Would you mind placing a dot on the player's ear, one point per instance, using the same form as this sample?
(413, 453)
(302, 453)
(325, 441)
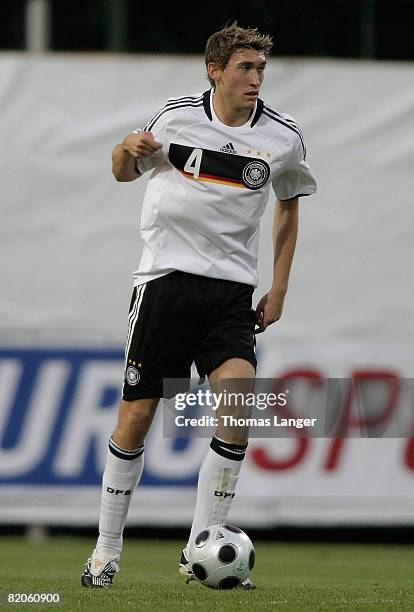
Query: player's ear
(214, 72)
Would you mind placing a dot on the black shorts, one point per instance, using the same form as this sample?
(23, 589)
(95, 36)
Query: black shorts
(182, 318)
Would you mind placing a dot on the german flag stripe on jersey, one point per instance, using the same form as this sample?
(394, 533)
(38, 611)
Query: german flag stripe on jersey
(214, 179)
(217, 167)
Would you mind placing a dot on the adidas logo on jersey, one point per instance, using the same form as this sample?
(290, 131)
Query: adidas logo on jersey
(228, 148)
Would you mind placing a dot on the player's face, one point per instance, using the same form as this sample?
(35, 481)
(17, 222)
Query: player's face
(239, 83)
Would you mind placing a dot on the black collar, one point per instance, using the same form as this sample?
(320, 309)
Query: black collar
(206, 104)
(259, 110)
(207, 108)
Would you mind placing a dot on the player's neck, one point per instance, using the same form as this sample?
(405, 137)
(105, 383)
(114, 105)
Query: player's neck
(229, 115)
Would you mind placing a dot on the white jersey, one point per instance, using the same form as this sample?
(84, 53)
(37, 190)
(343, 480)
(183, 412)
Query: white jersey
(209, 187)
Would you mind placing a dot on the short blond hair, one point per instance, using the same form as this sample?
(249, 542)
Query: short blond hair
(222, 44)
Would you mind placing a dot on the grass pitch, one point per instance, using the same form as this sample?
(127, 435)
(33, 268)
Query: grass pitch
(289, 577)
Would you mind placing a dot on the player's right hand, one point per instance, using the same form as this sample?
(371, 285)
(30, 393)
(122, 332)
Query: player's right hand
(141, 145)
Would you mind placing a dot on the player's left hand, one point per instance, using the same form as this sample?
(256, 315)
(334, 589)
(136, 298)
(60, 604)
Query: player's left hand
(269, 310)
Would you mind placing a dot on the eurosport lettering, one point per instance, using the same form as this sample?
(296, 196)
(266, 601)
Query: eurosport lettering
(58, 407)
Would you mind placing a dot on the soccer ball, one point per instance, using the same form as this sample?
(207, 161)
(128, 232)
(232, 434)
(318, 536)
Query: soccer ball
(222, 556)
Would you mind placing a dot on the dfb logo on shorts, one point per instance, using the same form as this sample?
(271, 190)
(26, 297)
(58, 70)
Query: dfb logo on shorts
(132, 376)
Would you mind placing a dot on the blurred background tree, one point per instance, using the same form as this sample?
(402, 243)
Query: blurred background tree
(367, 29)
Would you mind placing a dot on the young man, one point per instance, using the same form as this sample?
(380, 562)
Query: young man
(213, 157)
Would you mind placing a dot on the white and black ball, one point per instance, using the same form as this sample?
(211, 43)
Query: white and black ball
(222, 556)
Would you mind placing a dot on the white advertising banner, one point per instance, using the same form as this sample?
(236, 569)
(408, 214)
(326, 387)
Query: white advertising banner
(58, 407)
(69, 243)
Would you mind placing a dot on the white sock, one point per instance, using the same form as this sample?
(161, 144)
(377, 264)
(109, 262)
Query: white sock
(217, 482)
(122, 474)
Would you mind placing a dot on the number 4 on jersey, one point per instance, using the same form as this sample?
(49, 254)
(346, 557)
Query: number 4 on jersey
(193, 163)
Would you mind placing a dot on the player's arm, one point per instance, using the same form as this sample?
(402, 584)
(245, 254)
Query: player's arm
(285, 231)
(126, 154)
